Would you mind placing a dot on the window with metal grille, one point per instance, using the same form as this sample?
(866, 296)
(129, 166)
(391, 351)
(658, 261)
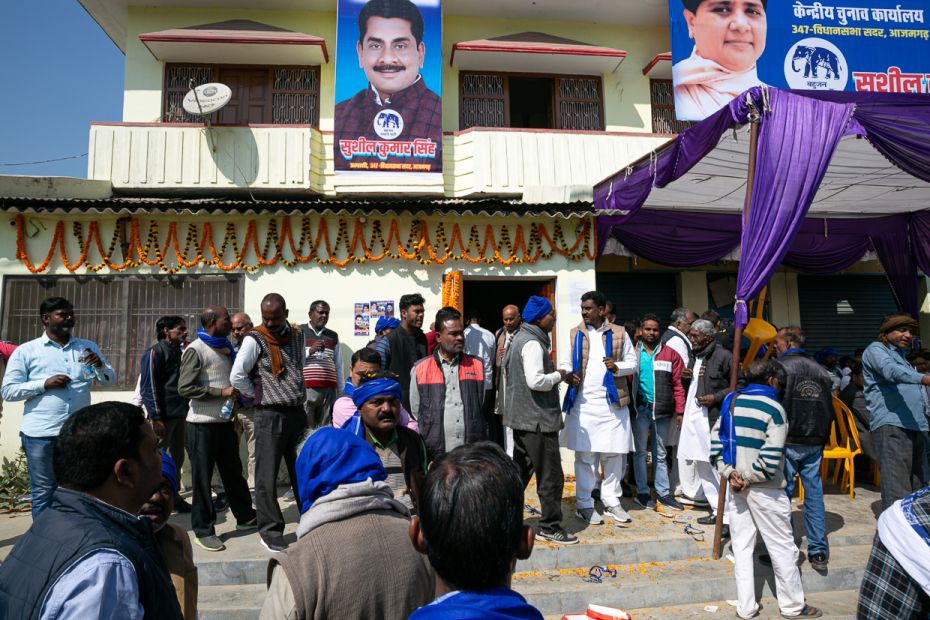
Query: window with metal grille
(662, 100)
(117, 312)
(531, 101)
(278, 95)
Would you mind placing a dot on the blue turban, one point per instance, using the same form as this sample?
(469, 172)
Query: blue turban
(376, 387)
(536, 308)
(386, 323)
(331, 457)
(169, 470)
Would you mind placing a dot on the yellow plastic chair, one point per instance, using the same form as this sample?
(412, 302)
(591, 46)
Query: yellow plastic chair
(759, 332)
(844, 446)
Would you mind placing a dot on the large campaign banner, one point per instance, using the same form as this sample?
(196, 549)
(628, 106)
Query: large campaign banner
(722, 47)
(388, 113)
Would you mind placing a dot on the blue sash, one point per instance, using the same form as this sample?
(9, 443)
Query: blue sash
(609, 384)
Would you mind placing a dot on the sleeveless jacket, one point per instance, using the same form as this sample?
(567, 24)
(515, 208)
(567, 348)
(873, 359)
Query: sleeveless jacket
(524, 409)
(160, 366)
(73, 526)
(215, 367)
(431, 382)
(617, 334)
(286, 389)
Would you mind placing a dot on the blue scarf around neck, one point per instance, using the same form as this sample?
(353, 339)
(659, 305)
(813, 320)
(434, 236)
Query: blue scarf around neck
(608, 381)
(215, 342)
(727, 430)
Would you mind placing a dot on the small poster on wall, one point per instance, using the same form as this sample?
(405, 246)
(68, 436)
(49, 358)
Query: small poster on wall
(362, 318)
(381, 309)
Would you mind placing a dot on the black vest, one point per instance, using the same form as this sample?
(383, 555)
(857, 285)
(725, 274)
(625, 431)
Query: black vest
(171, 402)
(74, 525)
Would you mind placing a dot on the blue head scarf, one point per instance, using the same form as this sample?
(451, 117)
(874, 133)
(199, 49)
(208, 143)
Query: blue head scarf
(331, 457)
(376, 387)
(386, 323)
(169, 470)
(536, 308)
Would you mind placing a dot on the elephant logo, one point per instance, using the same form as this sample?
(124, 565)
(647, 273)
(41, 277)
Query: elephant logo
(814, 58)
(388, 124)
(816, 64)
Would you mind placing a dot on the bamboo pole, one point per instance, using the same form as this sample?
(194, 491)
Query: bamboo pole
(737, 334)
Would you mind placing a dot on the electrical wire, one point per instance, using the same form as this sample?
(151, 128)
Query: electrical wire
(45, 161)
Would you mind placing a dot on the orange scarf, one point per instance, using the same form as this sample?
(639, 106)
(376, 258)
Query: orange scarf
(275, 343)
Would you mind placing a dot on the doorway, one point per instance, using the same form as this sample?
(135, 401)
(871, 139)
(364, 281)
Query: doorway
(487, 298)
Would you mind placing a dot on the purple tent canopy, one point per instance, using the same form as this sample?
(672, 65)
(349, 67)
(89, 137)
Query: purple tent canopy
(798, 135)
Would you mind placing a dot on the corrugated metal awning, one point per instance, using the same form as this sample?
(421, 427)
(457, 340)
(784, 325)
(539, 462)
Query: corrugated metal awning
(222, 206)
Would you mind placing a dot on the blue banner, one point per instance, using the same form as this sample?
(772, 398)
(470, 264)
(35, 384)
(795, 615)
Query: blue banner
(388, 114)
(722, 47)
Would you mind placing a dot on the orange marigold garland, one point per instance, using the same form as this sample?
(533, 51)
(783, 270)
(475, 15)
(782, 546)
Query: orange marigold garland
(504, 248)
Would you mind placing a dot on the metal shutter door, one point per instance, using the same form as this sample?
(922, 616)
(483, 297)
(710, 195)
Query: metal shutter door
(635, 294)
(843, 311)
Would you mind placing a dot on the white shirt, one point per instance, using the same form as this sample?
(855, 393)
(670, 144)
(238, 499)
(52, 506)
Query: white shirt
(694, 441)
(479, 343)
(536, 379)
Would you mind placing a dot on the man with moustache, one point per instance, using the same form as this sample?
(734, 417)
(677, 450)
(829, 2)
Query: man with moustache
(391, 51)
(268, 372)
(172, 539)
(242, 325)
(447, 390)
(510, 317)
(53, 374)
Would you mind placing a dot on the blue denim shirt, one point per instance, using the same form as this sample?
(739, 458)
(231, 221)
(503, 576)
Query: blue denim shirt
(32, 363)
(892, 389)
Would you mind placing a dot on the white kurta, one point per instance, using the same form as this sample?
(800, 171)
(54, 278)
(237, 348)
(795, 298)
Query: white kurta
(694, 440)
(593, 425)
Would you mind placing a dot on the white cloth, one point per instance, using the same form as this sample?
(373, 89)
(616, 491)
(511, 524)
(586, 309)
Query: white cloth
(593, 424)
(479, 343)
(766, 511)
(906, 545)
(694, 440)
(703, 86)
(537, 380)
(586, 477)
(710, 487)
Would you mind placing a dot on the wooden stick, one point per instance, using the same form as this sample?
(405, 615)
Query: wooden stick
(737, 336)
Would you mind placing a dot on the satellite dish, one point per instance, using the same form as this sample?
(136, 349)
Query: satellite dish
(206, 98)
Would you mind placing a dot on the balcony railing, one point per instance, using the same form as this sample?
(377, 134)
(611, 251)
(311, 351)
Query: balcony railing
(541, 165)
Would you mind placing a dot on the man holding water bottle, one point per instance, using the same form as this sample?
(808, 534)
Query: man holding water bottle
(211, 437)
(53, 374)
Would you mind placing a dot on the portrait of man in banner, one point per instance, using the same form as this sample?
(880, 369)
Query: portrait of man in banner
(394, 123)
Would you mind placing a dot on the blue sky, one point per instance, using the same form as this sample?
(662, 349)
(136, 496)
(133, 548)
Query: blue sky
(61, 72)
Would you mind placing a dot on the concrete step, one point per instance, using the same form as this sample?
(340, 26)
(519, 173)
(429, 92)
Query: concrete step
(678, 582)
(837, 605)
(238, 602)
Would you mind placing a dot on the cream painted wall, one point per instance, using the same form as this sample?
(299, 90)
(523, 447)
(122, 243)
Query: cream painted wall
(626, 91)
(692, 290)
(144, 74)
(388, 279)
(783, 299)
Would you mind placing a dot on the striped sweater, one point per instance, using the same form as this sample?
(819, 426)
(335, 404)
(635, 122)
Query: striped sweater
(761, 428)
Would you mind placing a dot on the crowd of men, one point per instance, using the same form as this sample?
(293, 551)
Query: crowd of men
(428, 446)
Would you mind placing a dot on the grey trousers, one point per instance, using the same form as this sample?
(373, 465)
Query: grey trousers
(901, 461)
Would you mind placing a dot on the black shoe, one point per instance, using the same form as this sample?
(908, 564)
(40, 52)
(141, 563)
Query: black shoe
(765, 559)
(670, 502)
(558, 536)
(181, 506)
(596, 495)
(221, 503)
(274, 544)
(645, 500)
(724, 532)
(708, 520)
(818, 561)
(626, 489)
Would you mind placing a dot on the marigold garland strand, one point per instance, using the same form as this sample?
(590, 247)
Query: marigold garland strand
(251, 255)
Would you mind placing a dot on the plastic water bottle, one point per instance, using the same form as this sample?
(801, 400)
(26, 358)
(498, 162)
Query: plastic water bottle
(228, 408)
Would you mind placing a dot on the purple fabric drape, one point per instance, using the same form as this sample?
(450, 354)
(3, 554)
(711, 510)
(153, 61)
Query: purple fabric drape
(790, 164)
(920, 239)
(821, 245)
(798, 136)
